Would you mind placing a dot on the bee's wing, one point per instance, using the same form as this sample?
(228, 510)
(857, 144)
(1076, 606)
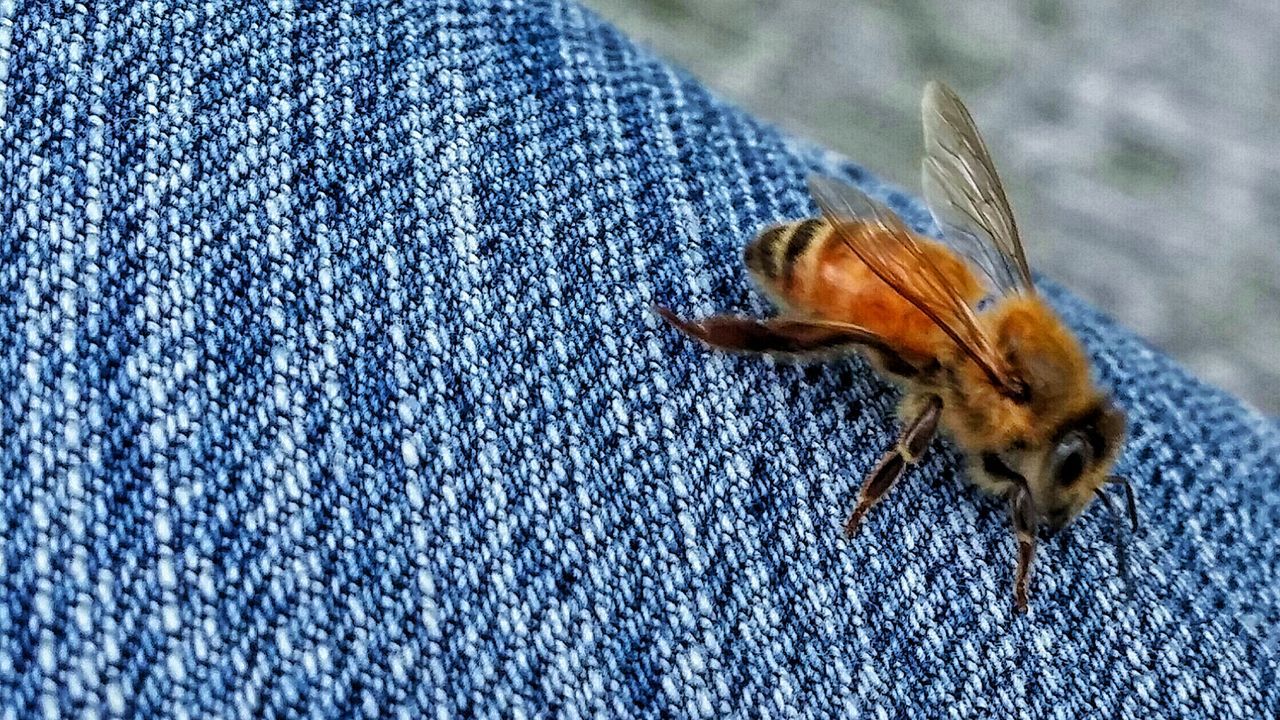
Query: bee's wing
(879, 238)
(965, 195)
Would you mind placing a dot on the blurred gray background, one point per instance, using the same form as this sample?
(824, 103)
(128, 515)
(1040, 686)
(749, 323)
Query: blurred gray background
(1140, 142)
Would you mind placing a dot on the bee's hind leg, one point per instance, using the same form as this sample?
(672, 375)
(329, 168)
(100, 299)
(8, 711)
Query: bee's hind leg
(911, 444)
(779, 336)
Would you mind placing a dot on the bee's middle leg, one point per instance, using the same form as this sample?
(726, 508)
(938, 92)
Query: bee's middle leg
(911, 445)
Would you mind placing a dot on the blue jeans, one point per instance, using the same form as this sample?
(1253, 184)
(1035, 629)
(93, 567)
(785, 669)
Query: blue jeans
(330, 386)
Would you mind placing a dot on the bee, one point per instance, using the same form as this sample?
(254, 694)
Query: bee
(979, 355)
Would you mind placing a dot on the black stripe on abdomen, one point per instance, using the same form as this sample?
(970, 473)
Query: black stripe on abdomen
(762, 254)
(800, 240)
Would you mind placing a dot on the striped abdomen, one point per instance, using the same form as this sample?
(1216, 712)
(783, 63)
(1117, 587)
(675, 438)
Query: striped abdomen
(772, 256)
(808, 270)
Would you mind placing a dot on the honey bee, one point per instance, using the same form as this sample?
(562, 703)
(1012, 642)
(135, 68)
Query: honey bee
(958, 325)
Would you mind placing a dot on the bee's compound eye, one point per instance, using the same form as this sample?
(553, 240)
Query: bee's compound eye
(1070, 458)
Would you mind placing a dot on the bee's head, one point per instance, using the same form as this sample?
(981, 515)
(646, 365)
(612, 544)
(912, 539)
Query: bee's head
(1067, 472)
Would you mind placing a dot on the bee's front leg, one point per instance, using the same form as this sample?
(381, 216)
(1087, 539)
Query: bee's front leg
(1023, 509)
(910, 446)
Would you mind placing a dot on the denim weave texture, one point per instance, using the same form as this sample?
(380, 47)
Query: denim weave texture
(330, 386)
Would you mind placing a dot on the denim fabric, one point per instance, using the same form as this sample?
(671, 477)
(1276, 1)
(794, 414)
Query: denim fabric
(330, 386)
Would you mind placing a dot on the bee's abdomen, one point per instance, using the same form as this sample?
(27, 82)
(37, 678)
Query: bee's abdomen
(772, 257)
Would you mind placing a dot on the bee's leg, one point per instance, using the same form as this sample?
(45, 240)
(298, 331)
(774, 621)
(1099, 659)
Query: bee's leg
(911, 444)
(786, 336)
(1023, 509)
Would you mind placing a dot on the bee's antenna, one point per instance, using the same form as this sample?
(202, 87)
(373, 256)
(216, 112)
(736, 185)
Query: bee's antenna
(1122, 554)
(1129, 498)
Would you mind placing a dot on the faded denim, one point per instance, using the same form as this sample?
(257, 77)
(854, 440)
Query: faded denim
(330, 387)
